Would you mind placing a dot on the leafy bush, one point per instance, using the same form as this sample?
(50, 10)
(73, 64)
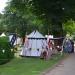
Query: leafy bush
(5, 50)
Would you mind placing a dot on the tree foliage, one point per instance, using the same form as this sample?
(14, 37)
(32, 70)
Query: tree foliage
(69, 27)
(14, 18)
(55, 11)
(20, 19)
(5, 50)
(3, 27)
(44, 15)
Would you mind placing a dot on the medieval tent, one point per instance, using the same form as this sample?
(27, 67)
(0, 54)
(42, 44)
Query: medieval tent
(2, 35)
(14, 39)
(34, 44)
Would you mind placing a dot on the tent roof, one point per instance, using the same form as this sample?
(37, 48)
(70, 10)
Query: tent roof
(36, 35)
(3, 34)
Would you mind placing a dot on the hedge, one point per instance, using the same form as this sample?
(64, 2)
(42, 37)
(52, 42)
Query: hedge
(5, 50)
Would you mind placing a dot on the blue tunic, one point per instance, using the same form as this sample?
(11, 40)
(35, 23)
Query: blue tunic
(67, 46)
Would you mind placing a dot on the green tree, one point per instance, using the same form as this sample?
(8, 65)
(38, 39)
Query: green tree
(20, 19)
(20, 15)
(69, 27)
(5, 50)
(55, 11)
(3, 27)
(14, 19)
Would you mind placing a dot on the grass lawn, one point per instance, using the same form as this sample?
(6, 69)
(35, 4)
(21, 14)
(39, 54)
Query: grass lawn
(28, 65)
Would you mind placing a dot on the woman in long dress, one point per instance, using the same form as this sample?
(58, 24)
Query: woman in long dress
(67, 46)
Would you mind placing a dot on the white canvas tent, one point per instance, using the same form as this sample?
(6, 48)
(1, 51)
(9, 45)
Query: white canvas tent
(34, 45)
(2, 35)
(17, 40)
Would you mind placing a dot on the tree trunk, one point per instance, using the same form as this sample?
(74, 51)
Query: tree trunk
(57, 30)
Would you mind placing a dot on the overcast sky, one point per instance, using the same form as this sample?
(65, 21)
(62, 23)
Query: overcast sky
(2, 5)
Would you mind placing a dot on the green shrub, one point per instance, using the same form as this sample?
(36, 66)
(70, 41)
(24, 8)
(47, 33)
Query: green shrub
(5, 50)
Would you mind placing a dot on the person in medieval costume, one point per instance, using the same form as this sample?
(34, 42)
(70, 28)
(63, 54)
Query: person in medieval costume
(50, 49)
(43, 53)
(67, 46)
(25, 47)
(72, 42)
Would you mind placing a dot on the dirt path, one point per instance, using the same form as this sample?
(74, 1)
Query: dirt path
(66, 67)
